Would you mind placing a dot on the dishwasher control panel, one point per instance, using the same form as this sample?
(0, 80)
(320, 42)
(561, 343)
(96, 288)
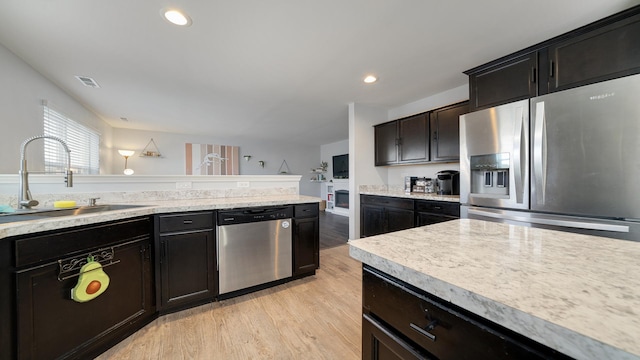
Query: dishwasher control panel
(247, 215)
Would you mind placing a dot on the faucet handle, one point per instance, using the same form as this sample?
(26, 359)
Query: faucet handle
(68, 179)
(28, 203)
(92, 201)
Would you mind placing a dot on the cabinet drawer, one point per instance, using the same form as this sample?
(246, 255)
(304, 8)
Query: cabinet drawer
(62, 243)
(438, 207)
(305, 210)
(439, 327)
(387, 201)
(185, 221)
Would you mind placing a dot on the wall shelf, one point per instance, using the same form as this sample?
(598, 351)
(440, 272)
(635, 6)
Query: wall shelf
(151, 150)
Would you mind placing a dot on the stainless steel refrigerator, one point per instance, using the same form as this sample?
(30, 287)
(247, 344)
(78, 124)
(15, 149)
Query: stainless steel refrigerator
(569, 160)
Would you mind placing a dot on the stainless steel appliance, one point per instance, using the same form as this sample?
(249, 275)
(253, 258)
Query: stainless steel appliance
(254, 247)
(448, 182)
(568, 160)
(409, 182)
(420, 185)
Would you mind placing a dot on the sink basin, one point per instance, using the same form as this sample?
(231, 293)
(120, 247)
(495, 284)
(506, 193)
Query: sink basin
(39, 214)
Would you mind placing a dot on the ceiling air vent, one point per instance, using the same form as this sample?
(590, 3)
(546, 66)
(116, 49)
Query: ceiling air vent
(87, 81)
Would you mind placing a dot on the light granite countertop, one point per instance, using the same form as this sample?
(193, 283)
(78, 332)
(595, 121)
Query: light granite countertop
(415, 196)
(152, 207)
(575, 293)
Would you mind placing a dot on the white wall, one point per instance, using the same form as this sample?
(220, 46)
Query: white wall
(396, 174)
(361, 158)
(300, 158)
(444, 98)
(361, 148)
(328, 151)
(22, 90)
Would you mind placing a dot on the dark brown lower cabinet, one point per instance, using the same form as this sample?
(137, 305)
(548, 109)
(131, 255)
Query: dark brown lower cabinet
(51, 325)
(379, 343)
(432, 212)
(382, 214)
(306, 239)
(185, 247)
(403, 322)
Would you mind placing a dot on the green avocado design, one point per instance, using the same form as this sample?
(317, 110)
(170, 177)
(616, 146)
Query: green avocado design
(92, 282)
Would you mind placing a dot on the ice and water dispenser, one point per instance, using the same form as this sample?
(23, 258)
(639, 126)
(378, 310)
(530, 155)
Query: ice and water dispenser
(490, 174)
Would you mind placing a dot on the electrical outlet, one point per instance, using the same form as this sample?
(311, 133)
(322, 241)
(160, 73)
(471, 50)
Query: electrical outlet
(183, 185)
(243, 184)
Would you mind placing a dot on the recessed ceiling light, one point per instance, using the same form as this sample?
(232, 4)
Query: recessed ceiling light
(370, 79)
(176, 17)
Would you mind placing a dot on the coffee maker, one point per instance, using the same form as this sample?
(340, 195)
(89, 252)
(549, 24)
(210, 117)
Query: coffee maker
(448, 182)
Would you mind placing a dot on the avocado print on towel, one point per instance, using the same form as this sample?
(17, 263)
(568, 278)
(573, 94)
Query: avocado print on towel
(208, 159)
(92, 282)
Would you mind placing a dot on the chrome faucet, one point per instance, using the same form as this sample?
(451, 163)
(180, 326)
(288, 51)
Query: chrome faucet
(24, 197)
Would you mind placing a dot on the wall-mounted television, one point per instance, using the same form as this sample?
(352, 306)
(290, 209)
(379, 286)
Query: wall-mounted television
(341, 166)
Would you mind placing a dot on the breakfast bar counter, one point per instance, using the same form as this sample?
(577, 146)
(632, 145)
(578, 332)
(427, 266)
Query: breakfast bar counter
(577, 294)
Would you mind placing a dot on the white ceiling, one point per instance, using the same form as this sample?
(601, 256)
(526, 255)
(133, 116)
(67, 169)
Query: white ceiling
(282, 70)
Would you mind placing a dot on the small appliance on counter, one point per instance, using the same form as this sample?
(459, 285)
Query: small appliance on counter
(429, 186)
(448, 182)
(409, 183)
(419, 186)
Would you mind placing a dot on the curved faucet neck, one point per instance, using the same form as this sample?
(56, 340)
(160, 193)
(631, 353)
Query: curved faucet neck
(24, 197)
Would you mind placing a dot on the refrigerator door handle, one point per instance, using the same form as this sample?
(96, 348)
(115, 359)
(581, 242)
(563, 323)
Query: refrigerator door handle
(554, 222)
(519, 150)
(540, 154)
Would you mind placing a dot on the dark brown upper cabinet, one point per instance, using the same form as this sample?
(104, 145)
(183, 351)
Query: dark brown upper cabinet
(386, 143)
(604, 53)
(603, 50)
(444, 124)
(427, 137)
(413, 139)
(512, 80)
(402, 141)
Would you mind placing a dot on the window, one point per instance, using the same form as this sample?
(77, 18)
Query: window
(83, 142)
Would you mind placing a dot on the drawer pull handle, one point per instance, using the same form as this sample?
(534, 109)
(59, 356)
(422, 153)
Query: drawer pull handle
(187, 222)
(437, 207)
(425, 332)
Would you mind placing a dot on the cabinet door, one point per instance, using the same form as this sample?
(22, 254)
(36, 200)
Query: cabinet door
(51, 325)
(606, 53)
(386, 143)
(372, 220)
(445, 132)
(306, 244)
(399, 219)
(187, 269)
(380, 343)
(510, 80)
(414, 139)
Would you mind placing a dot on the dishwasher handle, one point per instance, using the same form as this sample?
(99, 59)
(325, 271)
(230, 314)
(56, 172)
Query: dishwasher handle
(247, 215)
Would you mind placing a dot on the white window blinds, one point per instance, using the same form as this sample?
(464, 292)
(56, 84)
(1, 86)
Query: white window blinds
(83, 142)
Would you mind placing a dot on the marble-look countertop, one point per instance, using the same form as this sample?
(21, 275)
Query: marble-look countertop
(575, 293)
(152, 207)
(416, 196)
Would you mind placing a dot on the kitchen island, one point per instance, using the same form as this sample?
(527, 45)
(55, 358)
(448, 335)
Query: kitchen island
(577, 294)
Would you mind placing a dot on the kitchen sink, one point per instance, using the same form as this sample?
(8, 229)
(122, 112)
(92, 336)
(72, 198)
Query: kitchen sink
(40, 214)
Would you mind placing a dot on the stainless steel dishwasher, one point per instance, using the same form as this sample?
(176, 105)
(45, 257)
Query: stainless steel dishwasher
(254, 247)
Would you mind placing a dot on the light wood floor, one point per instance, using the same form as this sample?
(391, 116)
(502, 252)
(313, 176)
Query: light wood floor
(318, 317)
